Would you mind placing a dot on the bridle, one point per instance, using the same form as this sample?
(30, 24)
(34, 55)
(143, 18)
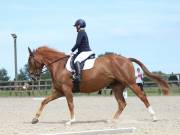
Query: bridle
(38, 72)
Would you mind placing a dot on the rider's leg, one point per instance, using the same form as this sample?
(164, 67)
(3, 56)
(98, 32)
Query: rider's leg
(81, 57)
(78, 71)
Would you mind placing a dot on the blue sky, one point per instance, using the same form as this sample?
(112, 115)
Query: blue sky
(146, 30)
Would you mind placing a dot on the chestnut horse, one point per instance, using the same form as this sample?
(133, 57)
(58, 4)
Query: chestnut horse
(110, 69)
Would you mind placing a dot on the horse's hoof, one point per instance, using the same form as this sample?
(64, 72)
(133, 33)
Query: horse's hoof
(154, 119)
(112, 121)
(68, 123)
(34, 121)
(109, 121)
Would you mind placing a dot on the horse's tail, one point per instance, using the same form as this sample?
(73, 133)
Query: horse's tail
(162, 83)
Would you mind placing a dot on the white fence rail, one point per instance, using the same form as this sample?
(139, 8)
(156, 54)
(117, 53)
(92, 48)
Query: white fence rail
(46, 84)
(26, 85)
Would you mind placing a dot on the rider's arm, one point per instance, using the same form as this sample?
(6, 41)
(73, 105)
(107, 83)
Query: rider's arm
(78, 41)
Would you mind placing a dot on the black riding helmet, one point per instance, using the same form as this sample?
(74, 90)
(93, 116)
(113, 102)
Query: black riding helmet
(80, 22)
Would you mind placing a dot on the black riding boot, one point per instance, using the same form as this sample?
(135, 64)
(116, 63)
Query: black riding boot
(78, 71)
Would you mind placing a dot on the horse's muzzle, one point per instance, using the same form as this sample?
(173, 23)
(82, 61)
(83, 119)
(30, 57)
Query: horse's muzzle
(34, 77)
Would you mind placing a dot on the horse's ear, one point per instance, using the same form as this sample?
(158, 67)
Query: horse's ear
(30, 52)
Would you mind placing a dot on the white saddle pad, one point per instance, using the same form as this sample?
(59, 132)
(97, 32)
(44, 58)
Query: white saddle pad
(87, 65)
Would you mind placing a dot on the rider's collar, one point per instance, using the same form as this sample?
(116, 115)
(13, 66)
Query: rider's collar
(81, 29)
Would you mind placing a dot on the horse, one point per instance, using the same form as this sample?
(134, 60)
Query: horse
(109, 70)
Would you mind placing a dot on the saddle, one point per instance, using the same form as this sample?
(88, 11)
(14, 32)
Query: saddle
(86, 64)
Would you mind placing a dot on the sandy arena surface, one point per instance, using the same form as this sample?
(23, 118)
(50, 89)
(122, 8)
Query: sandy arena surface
(91, 113)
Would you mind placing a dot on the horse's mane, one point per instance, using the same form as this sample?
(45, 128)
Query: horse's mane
(49, 52)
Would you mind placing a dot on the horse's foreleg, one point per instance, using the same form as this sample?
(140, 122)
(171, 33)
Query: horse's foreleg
(69, 97)
(118, 93)
(144, 99)
(53, 96)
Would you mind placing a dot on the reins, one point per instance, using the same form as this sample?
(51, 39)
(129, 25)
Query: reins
(57, 60)
(46, 65)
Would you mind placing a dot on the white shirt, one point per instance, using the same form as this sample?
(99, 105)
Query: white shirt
(139, 77)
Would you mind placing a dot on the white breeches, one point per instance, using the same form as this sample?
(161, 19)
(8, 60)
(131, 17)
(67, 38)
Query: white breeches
(82, 56)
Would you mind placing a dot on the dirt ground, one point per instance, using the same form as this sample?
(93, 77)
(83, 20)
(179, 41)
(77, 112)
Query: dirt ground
(91, 113)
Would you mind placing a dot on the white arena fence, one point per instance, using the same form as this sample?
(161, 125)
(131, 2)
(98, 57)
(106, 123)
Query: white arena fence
(46, 85)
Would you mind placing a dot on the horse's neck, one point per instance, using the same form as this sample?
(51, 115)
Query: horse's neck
(49, 60)
(55, 63)
(56, 66)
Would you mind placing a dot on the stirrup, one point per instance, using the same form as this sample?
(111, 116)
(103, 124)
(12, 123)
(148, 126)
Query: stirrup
(77, 78)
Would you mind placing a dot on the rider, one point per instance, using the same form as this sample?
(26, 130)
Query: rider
(82, 45)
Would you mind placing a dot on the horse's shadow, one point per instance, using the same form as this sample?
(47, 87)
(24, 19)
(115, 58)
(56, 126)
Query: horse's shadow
(76, 122)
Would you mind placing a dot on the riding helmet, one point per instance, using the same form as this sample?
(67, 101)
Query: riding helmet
(80, 22)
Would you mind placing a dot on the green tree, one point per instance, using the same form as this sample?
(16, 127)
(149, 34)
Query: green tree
(23, 75)
(106, 53)
(46, 75)
(4, 75)
(160, 73)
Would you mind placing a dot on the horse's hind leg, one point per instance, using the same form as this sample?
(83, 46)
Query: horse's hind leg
(136, 89)
(118, 93)
(55, 94)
